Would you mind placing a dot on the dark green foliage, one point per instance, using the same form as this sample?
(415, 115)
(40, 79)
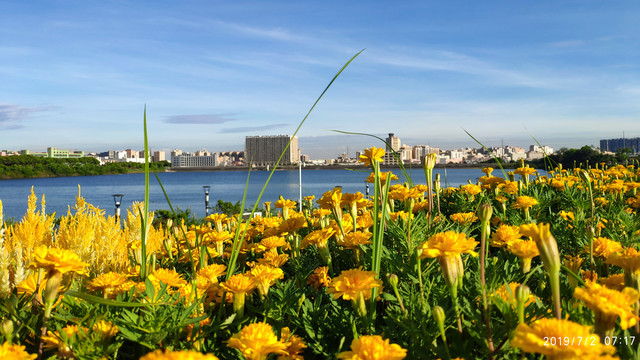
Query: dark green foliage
(29, 166)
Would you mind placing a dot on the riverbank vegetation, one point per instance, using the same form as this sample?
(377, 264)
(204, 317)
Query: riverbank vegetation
(507, 267)
(29, 166)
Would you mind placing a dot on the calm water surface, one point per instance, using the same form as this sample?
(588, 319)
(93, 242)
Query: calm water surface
(185, 188)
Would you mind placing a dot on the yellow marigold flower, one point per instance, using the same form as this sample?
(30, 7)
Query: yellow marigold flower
(373, 347)
(264, 276)
(353, 282)
(524, 171)
(615, 187)
(239, 284)
(417, 191)
(354, 199)
(614, 282)
(600, 201)
(105, 329)
(394, 216)
(558, 184)
(320, 213)
(510, 187)
(547, 245)
(285, 203)
(448, 244)
(15, 352)
(371, 155)
(398, 192)
(589, 275)
(178, 355)
(471, 189)
(573, 263)
(604, 247)
(319, 278)
(525, 250)
(608, 305)
(524, 202)
(567, 215)
(57, 260)
(318, 237)
(256, 341)
(383, 177)
(215, 218)
(353, 239)
(507, 293)
(111, 284)
(559, 339)
(464, 218)
(272, 243)
(491, 182)
(218, 237)
(30, 284)
(504, 235)
(331, 200)
(167, 276)
(448, 247)
(295, 345)
(53, 340)
(364, 221)
(273, 259)
(488, 170)
(212, 272)
(292, 224)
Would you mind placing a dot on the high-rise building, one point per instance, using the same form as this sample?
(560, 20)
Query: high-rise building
(613, 145)
(394, 142)
(158, 156)
(266, 150)
(391, 158)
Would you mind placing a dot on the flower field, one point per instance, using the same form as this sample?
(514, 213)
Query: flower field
(515, 266)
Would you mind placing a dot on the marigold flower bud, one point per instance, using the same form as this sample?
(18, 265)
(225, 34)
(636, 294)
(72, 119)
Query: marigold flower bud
(393, 280)
(522, 293)
(430, 161)
(485, 212)
(439, 316)
(7, 329)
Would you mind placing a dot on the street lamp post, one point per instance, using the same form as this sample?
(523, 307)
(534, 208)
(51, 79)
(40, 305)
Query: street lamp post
(367, 188)
(206, 199)
(117, 199)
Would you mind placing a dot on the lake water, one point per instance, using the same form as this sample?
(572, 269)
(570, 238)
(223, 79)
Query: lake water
(185, 188)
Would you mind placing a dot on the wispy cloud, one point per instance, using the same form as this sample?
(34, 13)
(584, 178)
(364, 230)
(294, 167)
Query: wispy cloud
(456, 62)
(568, 43)
(269, 33)
(248, 129)
(11, 115)
(206, 119)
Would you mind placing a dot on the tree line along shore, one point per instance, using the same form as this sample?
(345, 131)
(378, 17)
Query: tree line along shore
(28, 166)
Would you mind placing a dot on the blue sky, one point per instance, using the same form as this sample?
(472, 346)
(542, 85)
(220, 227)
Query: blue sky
(77, 74)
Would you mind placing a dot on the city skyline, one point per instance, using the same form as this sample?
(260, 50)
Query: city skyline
(78, 74)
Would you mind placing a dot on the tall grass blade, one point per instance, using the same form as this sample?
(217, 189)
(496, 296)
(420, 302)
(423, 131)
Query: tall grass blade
(145, 215)
(546, 156)
(498, 160)
(236, 249)
(388, 146)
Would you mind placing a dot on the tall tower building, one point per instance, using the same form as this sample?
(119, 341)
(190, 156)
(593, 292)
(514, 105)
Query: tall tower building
(394, 141)
(265, 150)
(389, 157)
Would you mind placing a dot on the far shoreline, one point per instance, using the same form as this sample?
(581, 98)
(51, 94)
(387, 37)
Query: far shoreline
(289, 168)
